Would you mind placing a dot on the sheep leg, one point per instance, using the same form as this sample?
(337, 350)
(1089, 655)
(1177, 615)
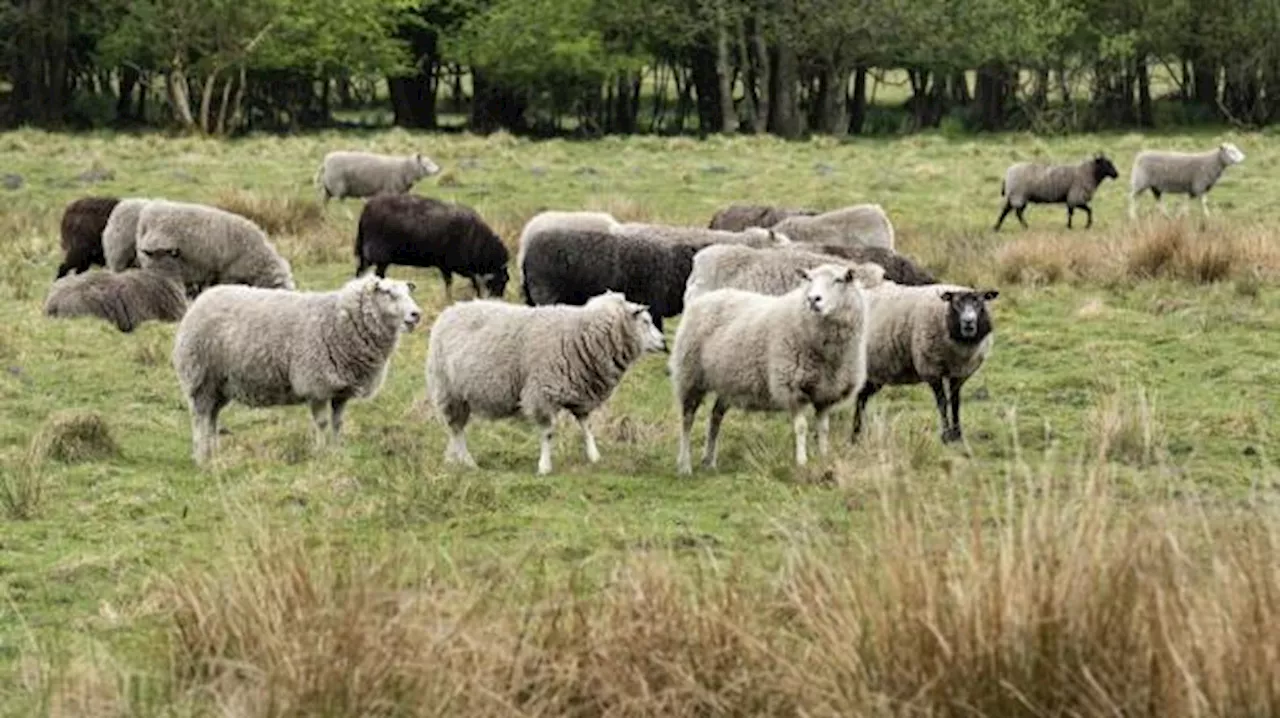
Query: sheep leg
(800, 426)
(546, 432)
(62, 270)
(1088, 211)
(867, 391)
(1164, 209)
(339, 408)
(1204, 205)
(823, 417)
(940, 397)
(593, 452)
(448, 284)
(456, 416)
(204, 427)
(689, 409)
(1071, 211)
(1003, 213)
(954, 433)
(382, 270)
(713, 433)
(319, 420)
(1018, 213)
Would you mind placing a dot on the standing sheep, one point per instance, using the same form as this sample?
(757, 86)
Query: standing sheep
(215, 246)
(120, 237)
(1180, 173)
(926, 335)
(274, 347)
(1035, 183)
(751, 236)
(423, 232)
(737, 217)
(365, 174)
(126, 299)
(82, 223)
(557, 219)
(760, 352)
(500, 360)
(861, 224)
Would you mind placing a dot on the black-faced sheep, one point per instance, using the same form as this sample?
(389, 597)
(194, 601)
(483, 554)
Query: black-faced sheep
(365, 174)
(82, 223)
(1073, 185)
(737, 217)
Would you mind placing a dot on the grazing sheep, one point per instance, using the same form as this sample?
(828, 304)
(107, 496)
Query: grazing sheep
(274, 347)
(861, 224)
(365, 174)
(760, 352)
(82, 223)
(500, 360)
(125, 299)
(1036, 183)
(737, 217)
(120, 236)
(751, 236)
(1192, 174)
(925, 335)
(557, 219)
(423, 232)
(216, 246)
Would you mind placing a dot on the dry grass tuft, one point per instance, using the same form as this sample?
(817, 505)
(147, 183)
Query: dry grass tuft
(22, 489)
(73, 437)
(275, 214)
(1127, 428)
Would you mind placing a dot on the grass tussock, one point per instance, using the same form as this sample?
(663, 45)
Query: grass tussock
(1126, 427)
(73, 437)
(276, 214)
(22, 489)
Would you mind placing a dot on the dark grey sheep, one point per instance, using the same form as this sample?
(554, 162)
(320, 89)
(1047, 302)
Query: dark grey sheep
(737, 217)
(1072, 185)
(126, 298)
(82, 223)
(897, 268)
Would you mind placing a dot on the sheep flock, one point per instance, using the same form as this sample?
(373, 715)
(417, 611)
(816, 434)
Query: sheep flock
(783, 309)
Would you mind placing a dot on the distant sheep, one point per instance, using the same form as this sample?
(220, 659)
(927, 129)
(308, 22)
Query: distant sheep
(126, 299)
(216, 246)
(862, 224)
(1192, 174)
(1036, 183)
(273, 347)
(419, 231)
(737, 217)
(82, 223)
(497, 360)
(365, 174)
(120, 237)
(557, 219)
(781, 353)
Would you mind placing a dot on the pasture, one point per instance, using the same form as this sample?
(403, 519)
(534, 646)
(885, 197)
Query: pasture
(1108, 518)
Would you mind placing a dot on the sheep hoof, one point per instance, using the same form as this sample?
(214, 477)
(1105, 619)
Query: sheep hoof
(951, 435)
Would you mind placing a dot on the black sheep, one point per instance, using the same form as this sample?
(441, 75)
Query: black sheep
(416, 231)
(737, 217)
(82, 223)
(897, 268)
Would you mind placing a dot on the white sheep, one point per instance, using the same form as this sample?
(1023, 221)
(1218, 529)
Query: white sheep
(120, 237)
(365, 174)
(273, 347)
(864, 224)
(761, 352)
(497, 360)
(679, 234)
(1192, 174)
(558, 219)
(216, 246)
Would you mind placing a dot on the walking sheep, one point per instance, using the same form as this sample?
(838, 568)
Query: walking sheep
(760, 352)
(365, 174)
(557, 219)
(1192, 174)
(926, 335)
(215, 246)
(274, 347)
(126, 299)
(862, 224)
(120, 236)
(82, 223)
(1035, 183)
(737, 217)
(498, 360)
(423, 232)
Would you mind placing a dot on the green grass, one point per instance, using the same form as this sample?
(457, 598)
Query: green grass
(1174, 382)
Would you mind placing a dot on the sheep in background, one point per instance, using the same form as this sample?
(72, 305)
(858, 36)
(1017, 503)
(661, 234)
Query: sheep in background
(861, 224)
(1192, 174)
(737, 217)
(500, 360)
(781, 353)
(751, 236)
(557, 219)
(423, 232)
(1036, 183)
(126, 299)
(274, 347)
(83, 221)
(215, 246)
(120, 236)
(366, 174)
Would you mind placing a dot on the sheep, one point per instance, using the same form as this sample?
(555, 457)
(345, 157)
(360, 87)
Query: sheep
(423, 232)
(751, 236)
(737, 217)
(365, 174)
(274, 347)
(1036, 183)
(861, 224)
(216, 246)
(120, 237)
(125, 299)
(557, 219)
(925, 335)
(82, 223)
(1181, 173)
(501, 360)
(761, 352)
(571, 266)
(774, 271)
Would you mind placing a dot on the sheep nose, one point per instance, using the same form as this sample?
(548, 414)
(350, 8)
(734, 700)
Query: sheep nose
(414, 316)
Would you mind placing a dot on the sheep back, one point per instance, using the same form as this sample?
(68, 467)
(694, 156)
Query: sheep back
(366, 174)
(417, 231)
(126, 299)
(120, 235)
(215, 246)
(751, 236)
(766, 271)
(737, 217)
(557, 219)
(1191, 173)
(83, 222)
(863, 224)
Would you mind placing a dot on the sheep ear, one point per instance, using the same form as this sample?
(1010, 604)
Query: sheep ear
(411, 286)
(848, 275)
(947, 296)
(990, 294)
(804, 273)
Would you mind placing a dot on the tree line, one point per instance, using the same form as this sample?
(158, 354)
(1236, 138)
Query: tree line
(786, 67)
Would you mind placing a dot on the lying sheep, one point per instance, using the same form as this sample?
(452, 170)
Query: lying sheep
(216, 246)
(423, 232)
(926, 335)
(120, 237)
(557, 219)
(862, 224)
(82, 223)
(500, 360)
(125, 299)
(365, 174)
(1073, 185)
(737, 217)
(1180, 173)
(273, 347)
(760, 352)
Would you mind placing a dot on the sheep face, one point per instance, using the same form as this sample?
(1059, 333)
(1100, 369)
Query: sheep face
(395, 304)
(495, 283)
(830, 288)
(651, 338)
(968, 321)
(1103, 168)
(424, 166)
(1230, 154)
(166, 260)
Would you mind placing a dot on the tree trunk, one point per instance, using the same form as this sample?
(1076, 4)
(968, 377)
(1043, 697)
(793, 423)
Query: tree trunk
(494, 106)
(206, 101)
(706, 82)
(179, 94)
(129, 76)
(764, 78)
(1145, 116)
(784, 111)
(724, 73)
(832, 101)
(413, 99)
(1040, 93)
(1205, 91)
(858, 101)
(660, 80)
(992, 93)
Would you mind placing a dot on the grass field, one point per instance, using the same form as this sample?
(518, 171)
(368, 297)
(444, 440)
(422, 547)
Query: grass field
(1101, 544)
